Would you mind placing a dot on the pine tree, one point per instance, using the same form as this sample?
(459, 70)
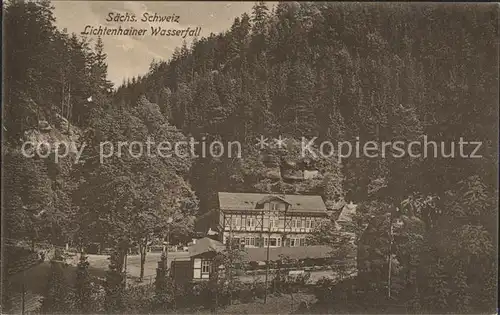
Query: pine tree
(259, 29)
(300, 113)
(57, 295)
(212, 112)
(114, 285)
(437, 298)
(259, 18)
(461, 291)
(100, 66)
(7, 289)
(163, 294)
(100, 87)
(83, 289)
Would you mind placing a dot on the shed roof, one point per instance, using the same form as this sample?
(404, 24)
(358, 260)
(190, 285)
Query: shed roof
(348, 212)
(205, 245)
(249, 201)
(299, 252)
(32, 303)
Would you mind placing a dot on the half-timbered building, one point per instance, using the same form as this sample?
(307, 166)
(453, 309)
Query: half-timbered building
(261, 220)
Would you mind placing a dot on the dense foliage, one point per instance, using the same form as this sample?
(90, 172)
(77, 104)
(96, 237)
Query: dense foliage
(52, 81)
(341, 71)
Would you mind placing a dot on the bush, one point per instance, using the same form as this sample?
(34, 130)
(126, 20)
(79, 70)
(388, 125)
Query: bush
(183, 296)
(258, 290)
(139, 298)
(326, 291)
(323, 290)
(203, 294)
(246, 293)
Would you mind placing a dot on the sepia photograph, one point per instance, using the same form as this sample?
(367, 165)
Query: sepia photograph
(241, 157)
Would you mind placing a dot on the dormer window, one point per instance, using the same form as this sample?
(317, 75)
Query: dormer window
(273, 201)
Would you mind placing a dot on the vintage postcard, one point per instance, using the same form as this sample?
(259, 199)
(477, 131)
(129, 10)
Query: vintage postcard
(163, 157)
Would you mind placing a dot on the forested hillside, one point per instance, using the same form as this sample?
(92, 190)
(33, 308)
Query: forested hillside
(52, 80)
(48, 72)
(56, 91)
(341, 71)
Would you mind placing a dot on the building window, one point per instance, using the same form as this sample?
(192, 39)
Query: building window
(272, 242)
(250, 222)
(205, 266)
(308, 224)
(250, 241)
(302, 242)
(273, 222)
(296, 223)
(274, 206)
(293, 242)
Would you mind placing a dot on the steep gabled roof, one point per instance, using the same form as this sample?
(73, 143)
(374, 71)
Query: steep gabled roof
(249, 201)
(205, 245)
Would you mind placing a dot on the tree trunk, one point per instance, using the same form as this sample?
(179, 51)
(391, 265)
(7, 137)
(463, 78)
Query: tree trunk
(70, 108)
(142, 250)
(33, 244)
(389, 271)
(125, 268)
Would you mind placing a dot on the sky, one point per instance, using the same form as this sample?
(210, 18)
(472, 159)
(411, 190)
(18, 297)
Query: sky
(131, 55)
